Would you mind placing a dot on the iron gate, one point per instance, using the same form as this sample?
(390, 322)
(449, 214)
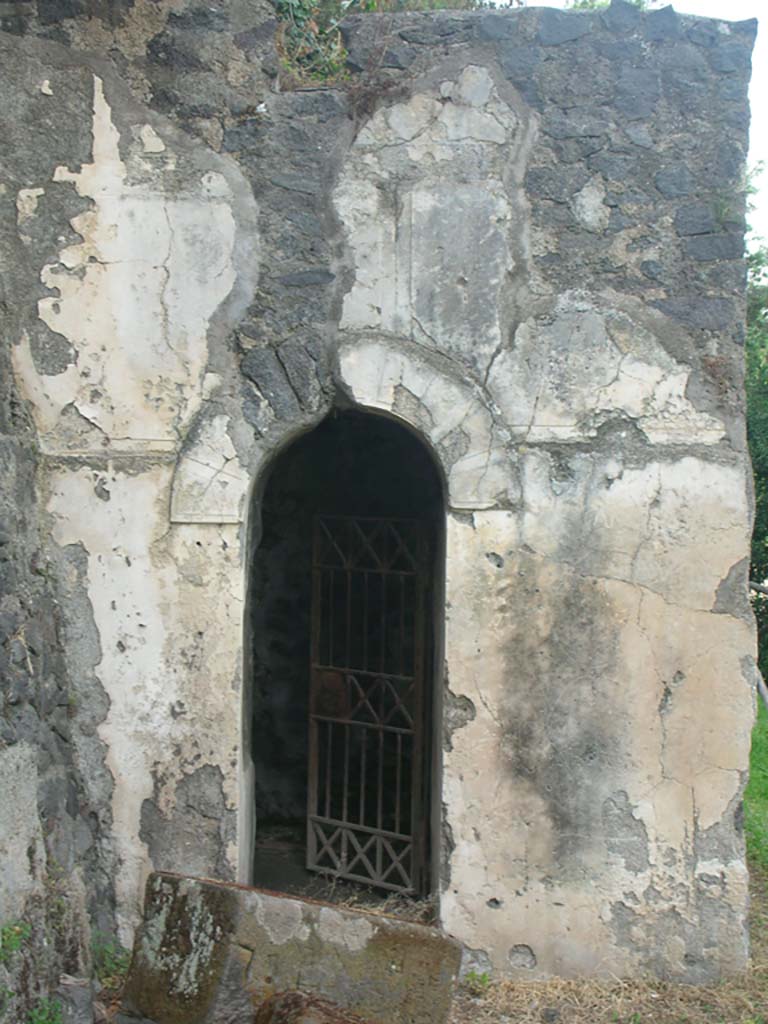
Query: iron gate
(366, 799)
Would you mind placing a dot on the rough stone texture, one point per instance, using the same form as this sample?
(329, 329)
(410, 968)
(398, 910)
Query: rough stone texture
(51, 835)
(298, 1008)
(517, 232)
(216, 952)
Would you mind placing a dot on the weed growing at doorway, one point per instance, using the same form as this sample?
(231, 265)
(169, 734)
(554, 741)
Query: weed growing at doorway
(477, 984)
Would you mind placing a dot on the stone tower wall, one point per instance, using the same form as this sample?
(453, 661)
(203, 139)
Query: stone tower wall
(521, 234)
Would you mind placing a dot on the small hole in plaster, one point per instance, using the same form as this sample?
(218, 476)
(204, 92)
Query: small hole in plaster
(495, 904)
(494, 559)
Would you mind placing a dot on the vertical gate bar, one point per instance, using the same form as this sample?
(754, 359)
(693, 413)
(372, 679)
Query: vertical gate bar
(379, 825)
(380, 782)
(348, 662)
(363, 750)
(398, 780)
(331, 596)
(383, 630)
(344, 815)
(314, 657)
(365, 621)
(418, 857)
(402, 625)
(329, 745)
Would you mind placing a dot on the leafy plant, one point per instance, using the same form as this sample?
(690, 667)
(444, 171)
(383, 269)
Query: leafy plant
(110, 961)
(476, 983)
(5, 998)
(12, 938)
(597, 5)
(46, 1011)
(309, 40)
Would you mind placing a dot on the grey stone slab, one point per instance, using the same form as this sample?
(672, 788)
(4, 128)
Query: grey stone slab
(209, 951)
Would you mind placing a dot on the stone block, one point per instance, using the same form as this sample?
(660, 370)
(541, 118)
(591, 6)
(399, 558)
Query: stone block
(557, 27)
(724, 246)
(76, 999)
(215, 952)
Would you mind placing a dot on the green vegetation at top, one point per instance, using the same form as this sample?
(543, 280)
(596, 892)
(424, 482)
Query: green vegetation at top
(309, 40)
(596, 5)
(310, 43)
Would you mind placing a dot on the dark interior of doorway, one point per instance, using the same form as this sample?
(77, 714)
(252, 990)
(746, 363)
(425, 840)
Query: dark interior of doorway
(352, 464)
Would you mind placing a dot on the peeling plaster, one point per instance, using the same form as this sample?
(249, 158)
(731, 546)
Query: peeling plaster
(136, 279)
(601, 701)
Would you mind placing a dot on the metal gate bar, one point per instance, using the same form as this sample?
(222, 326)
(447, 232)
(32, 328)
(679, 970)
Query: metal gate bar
(366, 734)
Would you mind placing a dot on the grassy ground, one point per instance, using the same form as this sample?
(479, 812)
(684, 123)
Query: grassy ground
(742, 1000)
(756, 796)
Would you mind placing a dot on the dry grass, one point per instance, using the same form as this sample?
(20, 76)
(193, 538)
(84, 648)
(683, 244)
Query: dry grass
(352, 897)
(742, 1000)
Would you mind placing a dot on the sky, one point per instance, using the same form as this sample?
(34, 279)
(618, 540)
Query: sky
(737, 10)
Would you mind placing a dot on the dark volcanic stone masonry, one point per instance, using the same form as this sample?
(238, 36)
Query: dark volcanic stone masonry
(516, 234)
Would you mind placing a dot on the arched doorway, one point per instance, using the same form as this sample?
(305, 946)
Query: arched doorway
(344, 587)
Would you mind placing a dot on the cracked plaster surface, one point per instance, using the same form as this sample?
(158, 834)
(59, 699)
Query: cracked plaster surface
(550, 763)
(582, 568)
(424, 194)
(561, 378)
(133, 299)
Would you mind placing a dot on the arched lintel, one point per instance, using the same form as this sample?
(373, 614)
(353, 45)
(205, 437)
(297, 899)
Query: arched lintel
(447, 412)
(442, 405)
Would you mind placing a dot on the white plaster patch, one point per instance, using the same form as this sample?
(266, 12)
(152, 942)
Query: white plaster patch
(150, 140)
(670, 695)
(209, 484)
(374, 369)
(128, 591)
(26, 203)
(565, 376)
(448, 219)
(642, 525)
(351, 933)
(135, 299)
(589, 207)
(49, 394)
